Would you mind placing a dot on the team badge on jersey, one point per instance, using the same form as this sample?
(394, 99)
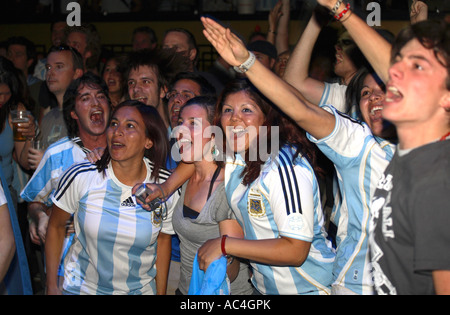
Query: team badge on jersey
(255, 204)
(156, 219)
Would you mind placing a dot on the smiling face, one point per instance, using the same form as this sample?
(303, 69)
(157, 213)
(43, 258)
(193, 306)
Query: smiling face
(143, 86)
(417, 95)
(344, 66)
(126, 136)
(182, 91)
(241, 118)
(113, 77)
(193, 145)
(371, 104)
(91, 110)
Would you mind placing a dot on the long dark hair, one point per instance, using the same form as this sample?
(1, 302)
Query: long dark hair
(155, 130)
(12, 77)
(289, 132)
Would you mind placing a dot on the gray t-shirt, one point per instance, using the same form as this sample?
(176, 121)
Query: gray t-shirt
(193, 233)
(411, 213)
(53, 127)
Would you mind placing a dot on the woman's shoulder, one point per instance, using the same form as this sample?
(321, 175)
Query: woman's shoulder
(287, 161)
(164, 173)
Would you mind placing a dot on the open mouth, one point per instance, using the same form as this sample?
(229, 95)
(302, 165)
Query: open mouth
(117, 145)
(239, 131)
(376, 110)
(97, 117)
(393, 94)
(142, 99)
(184, 144)
(112, 82)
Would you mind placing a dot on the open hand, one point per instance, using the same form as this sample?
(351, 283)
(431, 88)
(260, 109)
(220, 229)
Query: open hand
(227, 44)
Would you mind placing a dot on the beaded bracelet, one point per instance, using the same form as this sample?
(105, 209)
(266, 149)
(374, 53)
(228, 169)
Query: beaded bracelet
(343, 12)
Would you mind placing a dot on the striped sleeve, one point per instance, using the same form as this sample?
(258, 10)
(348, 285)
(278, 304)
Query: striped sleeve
(334, 94)
(291, 198)
(71, 186)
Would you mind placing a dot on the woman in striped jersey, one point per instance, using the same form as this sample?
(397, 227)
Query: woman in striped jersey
(275, 199)
(359, 157)
(115, 248)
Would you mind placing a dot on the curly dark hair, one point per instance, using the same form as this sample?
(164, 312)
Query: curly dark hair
(289, 132)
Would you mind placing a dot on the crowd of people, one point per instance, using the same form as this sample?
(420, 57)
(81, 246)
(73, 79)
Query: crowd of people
(311, 171)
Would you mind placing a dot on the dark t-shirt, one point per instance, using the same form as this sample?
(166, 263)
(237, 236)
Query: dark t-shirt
(411, 217)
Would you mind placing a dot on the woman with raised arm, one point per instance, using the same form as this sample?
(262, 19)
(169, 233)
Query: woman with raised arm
(359, 157)
(202, 212)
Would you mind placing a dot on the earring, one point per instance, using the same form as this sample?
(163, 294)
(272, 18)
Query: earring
(214, 151)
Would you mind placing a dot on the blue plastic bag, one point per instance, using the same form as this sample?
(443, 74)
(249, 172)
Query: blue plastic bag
(213, 282)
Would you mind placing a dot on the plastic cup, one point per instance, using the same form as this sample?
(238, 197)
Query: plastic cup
(18, 117)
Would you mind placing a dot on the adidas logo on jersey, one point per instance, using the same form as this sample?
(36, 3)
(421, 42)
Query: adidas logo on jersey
(128, 203)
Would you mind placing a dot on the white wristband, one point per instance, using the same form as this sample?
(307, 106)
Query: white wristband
(243, 68)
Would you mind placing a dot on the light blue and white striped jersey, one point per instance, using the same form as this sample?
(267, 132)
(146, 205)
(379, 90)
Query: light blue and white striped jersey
(360, 159)
(114, 250)
(334, 93)
(283, 201)
(56, 160)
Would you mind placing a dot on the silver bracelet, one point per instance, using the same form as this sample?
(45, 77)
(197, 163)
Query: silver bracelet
(243, 68)
(336, 7)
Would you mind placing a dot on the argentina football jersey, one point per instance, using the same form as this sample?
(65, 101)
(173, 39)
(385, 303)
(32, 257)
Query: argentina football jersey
(57, 158)
(283, 201)
(114, 251)
(360, 159)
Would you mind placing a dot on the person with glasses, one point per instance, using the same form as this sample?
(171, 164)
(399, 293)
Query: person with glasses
(184, 86)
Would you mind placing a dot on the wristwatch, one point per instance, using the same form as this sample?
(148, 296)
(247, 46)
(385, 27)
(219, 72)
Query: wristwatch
(243, 68)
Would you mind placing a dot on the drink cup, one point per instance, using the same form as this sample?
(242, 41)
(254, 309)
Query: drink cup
(18, 117)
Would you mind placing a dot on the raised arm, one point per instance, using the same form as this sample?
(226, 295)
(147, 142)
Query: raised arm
(375, 48)
(279, 18)
(318, 122)
(297, 70)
